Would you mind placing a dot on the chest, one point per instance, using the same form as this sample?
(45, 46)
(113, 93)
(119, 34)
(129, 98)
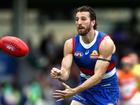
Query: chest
(86, 57)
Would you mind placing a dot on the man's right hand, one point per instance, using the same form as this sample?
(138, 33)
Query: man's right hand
(55, 73)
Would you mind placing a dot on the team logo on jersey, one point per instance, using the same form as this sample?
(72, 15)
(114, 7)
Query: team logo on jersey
(78, 54)
(94, 54)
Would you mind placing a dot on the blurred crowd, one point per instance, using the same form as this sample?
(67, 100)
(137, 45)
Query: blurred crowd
(26, 81)
(129, 79)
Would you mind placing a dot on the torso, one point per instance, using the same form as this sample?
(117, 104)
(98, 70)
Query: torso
(85, 55)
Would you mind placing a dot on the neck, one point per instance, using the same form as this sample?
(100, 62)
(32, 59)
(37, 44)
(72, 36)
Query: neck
(89, 37)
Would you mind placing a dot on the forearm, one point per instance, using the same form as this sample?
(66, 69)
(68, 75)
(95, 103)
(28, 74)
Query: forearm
(64, 74)
(99, 71)
(65, 67)
(95, 79)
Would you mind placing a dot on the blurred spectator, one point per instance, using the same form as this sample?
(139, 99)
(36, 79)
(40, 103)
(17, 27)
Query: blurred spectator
(136, 66)
(35, 59)
(136, 71)
(46, 87)
(11, 95)
(8, 68)
(134, 57)
(33, 93)
(49, 49)
(128, 83)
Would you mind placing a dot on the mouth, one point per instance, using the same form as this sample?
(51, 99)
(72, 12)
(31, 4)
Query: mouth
(81, 28)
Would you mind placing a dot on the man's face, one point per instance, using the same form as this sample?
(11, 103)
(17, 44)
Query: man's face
(83, 23)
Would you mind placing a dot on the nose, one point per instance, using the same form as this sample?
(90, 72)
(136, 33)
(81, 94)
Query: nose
(79, 21)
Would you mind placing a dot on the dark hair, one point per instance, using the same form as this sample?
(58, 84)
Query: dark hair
(91, 12)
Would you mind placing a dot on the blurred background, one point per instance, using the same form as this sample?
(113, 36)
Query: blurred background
(44, 25)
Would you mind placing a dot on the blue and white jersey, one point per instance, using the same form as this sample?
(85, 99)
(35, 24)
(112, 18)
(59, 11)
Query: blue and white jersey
(85, 56)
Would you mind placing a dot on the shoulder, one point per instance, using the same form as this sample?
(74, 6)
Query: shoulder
(71, 40)
(107, 45)
(68, 41)
(107, 41)
(68, 46)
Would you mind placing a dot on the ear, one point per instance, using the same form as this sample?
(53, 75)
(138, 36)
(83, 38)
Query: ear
(93, 22)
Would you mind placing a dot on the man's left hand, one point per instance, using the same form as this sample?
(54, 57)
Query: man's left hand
(62, 94)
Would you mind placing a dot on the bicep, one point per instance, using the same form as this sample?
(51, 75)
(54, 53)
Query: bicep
(106, 49)
(68, 56)
(67, 61)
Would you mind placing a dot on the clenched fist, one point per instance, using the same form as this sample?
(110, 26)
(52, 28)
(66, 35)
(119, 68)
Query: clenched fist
(55, 73)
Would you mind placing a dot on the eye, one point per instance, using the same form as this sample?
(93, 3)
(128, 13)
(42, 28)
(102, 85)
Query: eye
(83, 18)
(76, 19)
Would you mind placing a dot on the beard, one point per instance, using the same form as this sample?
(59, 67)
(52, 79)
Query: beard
(83, 31)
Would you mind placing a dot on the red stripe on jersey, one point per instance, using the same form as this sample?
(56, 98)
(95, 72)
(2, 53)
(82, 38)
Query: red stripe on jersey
(111, 66)
(87, 71)
(73, 45)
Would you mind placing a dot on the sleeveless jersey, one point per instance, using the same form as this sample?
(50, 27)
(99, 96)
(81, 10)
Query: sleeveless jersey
(85, 56)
